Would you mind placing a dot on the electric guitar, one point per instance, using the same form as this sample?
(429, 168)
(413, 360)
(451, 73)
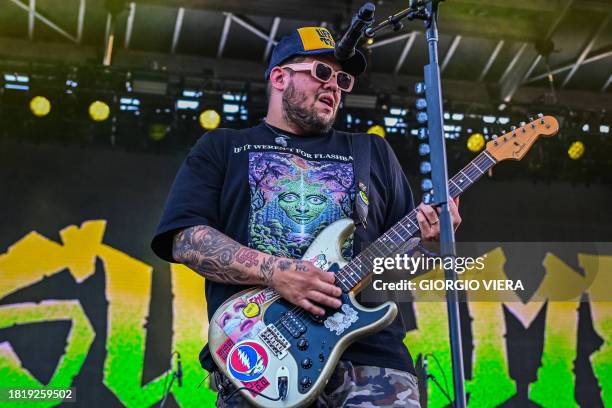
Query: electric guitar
(279, 355)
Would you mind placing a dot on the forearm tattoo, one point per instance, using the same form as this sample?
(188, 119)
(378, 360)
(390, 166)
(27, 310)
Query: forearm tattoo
(266, 271)
(215, 256)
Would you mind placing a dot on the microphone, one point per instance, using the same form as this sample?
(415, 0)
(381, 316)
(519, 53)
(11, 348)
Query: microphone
(179, 370)
(345, 48)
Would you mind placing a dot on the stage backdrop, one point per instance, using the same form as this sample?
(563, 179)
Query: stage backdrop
(84, 303)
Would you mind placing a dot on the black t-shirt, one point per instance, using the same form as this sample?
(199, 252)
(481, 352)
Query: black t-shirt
(277, 198)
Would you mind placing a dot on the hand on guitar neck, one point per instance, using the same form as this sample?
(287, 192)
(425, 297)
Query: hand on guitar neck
(429, 221)
(221, 259)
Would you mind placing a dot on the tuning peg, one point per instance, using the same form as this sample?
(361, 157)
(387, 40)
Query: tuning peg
(540, 115)
(531, 118)
(503, 131)
(523, 123)
(494, 137)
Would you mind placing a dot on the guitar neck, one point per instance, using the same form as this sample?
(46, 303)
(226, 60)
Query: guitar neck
(353, 275)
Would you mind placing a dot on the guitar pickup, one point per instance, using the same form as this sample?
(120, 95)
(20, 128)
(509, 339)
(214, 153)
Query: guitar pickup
(276, 342)
(293, 324)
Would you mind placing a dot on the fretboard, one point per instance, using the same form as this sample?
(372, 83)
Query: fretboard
(353, 274)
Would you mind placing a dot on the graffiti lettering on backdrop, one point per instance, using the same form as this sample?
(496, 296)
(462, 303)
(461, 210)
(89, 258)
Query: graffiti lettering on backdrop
(128, 293)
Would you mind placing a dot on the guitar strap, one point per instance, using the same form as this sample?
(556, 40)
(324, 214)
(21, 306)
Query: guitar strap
(360, 150)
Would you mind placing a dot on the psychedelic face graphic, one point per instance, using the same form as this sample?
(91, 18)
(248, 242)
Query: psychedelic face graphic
(303, 203)
(293, 199)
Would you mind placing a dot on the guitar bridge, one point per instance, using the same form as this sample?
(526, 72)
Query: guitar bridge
(275, 341)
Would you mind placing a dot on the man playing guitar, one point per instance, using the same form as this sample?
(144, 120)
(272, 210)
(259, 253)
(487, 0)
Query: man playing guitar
(247, 203)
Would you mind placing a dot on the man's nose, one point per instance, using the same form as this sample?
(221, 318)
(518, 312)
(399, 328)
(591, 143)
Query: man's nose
(332, 84)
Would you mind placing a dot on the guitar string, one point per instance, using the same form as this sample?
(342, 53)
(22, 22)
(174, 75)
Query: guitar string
(475, 173)
(468, 170)
(299, 312)
(472, 169)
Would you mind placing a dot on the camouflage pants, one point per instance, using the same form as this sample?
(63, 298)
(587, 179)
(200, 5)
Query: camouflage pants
(356, 386)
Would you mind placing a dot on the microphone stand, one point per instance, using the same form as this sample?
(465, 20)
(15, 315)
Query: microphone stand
(428, 12)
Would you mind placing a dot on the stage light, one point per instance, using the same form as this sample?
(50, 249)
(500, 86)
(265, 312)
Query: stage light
(187, 104)
(391, 121)
(424, 149)
(40, 106)
(377, 130)
(419, 88)
(99, 111)
(576, 150)
(426, 184)
(209, 119)
(230, 108)
(475, 142)
(423, 133)
(421, 117)
(421, 103)
(425, 167)
(158, 131)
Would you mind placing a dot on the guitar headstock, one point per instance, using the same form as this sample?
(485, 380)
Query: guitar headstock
(516, 143)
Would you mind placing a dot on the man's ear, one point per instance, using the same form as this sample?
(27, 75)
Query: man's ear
(278, 79)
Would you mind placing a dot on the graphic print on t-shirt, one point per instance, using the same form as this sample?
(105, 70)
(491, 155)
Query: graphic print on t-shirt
(293, 199)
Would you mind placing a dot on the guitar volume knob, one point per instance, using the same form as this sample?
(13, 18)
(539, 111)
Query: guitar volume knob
(302, 344)
(306, 382)
(306, 363)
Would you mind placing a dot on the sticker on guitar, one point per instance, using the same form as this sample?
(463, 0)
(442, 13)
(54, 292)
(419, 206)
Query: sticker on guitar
(263, 296)
(320, 261)
(247, 361)
(339, 321)
(239, 320)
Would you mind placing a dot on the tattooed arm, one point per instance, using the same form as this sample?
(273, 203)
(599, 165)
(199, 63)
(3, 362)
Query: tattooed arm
(219, 258)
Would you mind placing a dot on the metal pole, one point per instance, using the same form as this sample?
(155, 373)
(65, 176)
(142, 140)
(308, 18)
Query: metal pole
(435, 116)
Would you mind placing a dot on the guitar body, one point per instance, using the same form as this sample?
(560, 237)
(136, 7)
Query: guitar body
(259, 340)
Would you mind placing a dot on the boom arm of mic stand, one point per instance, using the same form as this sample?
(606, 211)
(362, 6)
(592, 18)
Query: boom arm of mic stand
(416, 10)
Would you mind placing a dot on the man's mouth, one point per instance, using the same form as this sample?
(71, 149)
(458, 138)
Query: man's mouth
(327, 100)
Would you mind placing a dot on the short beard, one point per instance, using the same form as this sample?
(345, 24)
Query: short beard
(304, 117)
